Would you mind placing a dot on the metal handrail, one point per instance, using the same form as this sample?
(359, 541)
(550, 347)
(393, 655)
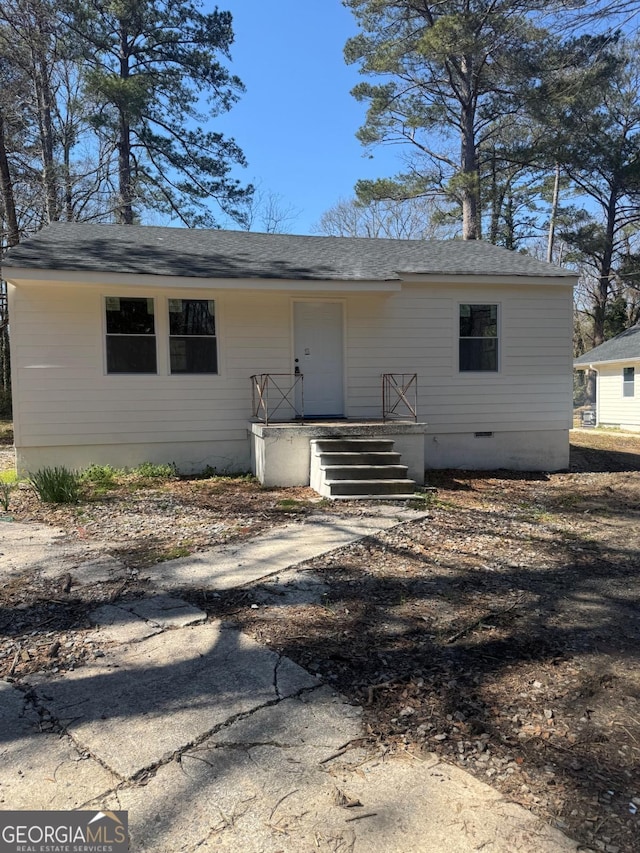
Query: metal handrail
(284, 389)
(399, 396)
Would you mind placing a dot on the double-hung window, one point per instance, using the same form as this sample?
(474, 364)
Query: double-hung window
(131, 335)
(478, 341)
(192, 336)
(628, 381)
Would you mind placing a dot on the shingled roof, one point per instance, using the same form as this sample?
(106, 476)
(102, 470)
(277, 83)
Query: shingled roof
(150, 250)
(624, 346)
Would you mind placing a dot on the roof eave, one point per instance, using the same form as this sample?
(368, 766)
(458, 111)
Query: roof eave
(596, 362)
(22, 276)
(493, 278)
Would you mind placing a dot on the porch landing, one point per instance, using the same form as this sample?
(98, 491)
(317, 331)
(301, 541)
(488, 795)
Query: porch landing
(281, 452)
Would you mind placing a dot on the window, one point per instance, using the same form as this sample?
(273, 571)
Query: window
(478, 338)
(628, 381)
(192, 336)
(131, 335)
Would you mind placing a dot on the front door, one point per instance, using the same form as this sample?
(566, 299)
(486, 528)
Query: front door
(318, 353)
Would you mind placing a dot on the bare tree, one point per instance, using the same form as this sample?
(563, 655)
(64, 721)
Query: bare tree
(269, 212)
(408, 219)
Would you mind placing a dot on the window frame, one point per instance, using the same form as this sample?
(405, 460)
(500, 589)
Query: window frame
(477, 372)
(215, 335)
(628, 384)
(106, 335)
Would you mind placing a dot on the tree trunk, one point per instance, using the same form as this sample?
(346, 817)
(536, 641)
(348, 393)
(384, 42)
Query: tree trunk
(12, 239)
(471, 222)
(45, 102)
(604, 273)
(471, 229)
(496, 203)
(509, 222)
(6, 189)
(125, 207)
(554, 214)
(68, 186)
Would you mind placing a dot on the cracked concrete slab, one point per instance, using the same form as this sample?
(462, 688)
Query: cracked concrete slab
(165, 611)
(143, 702)
(132, 621)
(275, 782)
(239, 774)
(102, 569)
(42, 770)
(229, 566)
(117, 625)
(321, 718)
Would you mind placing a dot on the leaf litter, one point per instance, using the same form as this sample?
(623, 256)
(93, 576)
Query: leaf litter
(501, 632)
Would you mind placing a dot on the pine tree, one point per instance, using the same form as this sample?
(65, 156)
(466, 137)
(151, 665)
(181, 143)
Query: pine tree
(156, 75)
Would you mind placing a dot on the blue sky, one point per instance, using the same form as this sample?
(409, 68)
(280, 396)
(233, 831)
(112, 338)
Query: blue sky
(297, 121)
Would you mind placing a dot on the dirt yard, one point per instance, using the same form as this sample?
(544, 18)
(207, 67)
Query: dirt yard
(501, 632)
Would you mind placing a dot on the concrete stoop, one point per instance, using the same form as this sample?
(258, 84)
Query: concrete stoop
(359, 469)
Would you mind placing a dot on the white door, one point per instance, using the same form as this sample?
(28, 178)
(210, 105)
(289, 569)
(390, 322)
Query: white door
(318, 353)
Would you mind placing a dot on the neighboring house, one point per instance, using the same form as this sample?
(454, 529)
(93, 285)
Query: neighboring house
(617, 366)
(134, 344)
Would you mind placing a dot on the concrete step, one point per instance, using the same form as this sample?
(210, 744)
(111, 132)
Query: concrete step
(353, 445)
(359, 469)
(403, 497)
(363, 472)
(364, 458)
(389, 489)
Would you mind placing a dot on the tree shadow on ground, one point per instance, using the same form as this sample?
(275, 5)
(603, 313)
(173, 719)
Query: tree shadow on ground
(397, 628)
(593, 460)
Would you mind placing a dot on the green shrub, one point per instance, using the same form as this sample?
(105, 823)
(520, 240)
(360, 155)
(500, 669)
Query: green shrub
(102, 476)
(152, 471)
(56, 485)
(208, 473)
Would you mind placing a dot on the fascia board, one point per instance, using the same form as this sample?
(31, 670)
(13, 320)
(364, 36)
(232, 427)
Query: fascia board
(596, 364)
(508, 280)
(21, 276)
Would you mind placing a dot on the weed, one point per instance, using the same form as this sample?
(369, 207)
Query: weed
(153, 471)
(535, 513)
(294, 505)
(428, 500)
(5, 494)
(211, 473)
(100, 477)
(570, 501)
(56, 485)
(160, 554)
(291, 505)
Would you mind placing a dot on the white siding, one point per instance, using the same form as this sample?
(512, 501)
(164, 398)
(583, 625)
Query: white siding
(613, 408)
(417, 332)
(63, 396)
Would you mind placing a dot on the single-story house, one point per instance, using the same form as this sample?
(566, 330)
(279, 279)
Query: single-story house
(229, 349)
(617, 366)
